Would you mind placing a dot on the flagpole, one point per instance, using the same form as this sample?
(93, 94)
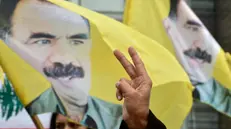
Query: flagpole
(37, 122)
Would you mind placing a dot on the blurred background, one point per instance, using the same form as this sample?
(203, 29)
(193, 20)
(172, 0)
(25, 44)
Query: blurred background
(216, 15)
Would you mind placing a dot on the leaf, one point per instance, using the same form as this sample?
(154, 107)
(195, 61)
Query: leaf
(10, 103)
(19, 106)
(10, 112)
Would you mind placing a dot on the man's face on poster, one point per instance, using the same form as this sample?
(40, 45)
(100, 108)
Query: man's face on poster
(56, 43)
(193, 33)
(191, 42)
(189, 27)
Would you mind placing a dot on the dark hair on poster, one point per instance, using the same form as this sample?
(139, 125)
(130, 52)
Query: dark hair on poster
(173, 8)
(53, 121)
(6, 10)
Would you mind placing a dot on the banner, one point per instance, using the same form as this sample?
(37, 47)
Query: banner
(185, 36)
(59, 58)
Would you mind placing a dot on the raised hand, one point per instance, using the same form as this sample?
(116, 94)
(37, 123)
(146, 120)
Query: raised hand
(135, 92)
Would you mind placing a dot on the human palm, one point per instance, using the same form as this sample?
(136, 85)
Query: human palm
(135, 92)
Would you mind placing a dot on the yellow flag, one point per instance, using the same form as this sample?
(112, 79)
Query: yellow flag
(228, 59)
(175, 26)
(71, 48)
(153, 17)
(146, 17)
(1, 77)
(28, 83)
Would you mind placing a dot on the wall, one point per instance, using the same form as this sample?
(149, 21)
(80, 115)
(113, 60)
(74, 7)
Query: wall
(223, 35)
(111, 8)
(223, 26)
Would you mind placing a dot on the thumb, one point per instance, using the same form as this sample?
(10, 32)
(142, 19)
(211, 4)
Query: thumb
(124, 87)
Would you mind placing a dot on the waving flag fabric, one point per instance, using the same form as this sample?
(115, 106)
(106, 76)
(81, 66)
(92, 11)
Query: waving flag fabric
(178, 29)
(59, 58)
(2, 76)
(13, 115)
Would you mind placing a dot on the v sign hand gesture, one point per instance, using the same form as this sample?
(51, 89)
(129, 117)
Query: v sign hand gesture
(135, 92)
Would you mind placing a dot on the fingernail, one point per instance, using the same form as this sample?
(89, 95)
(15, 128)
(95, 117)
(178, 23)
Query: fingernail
(117, 84)
(131, 47)
(119, 97)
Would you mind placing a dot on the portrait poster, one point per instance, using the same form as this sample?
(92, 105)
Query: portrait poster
(178, 29)
(199, 53)
(59, 58)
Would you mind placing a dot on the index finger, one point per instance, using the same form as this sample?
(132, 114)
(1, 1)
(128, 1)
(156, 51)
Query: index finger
(128, 66)
(139, 65)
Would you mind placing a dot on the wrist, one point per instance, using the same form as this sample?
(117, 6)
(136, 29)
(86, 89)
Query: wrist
(138, 121)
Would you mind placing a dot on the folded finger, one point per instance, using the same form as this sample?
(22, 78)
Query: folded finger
(119, 95)
(124, 87)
